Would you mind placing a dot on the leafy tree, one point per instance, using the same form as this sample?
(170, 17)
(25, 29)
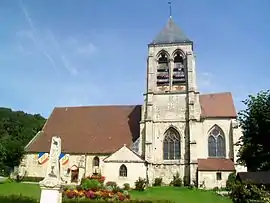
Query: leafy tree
(16, 130)
(255, 143)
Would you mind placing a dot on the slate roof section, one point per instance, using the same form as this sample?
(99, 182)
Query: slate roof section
(215, 164)
(105, 129)
(171, 33)
(260, 177)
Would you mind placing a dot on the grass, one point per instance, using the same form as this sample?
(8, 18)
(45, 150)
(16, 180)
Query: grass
(156, 193)
(183, 195)
(29, 190)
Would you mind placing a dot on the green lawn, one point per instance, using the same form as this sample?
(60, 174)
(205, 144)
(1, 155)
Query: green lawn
(29, 190)
(182, 195)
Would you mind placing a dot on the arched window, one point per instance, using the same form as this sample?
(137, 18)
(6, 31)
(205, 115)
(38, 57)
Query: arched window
(216, 143)
(171, 145)
(96, 161)
(179, 69)
(123, 171)
(163, 70)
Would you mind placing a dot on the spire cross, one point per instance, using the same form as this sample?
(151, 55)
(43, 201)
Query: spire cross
(170, 8)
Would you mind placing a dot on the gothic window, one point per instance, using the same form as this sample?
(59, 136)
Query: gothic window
(135, 146)
(171, 145)
(96, 161)
(178, 70)
(163, 70)
(123, 171)
(216, 143)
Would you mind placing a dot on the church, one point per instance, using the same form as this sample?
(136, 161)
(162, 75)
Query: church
(175, 130)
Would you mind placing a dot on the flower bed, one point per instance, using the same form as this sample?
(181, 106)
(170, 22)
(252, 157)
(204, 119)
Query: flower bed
(93, 188)
(97, 195)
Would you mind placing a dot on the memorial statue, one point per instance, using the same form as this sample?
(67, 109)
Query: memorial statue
(52, 177)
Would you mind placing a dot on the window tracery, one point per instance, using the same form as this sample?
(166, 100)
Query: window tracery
(171, 145)
(216, 143)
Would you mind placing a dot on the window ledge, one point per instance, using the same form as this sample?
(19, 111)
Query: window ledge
(177, 161)
(122, 177)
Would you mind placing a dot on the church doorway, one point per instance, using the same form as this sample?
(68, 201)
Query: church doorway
(74, 174)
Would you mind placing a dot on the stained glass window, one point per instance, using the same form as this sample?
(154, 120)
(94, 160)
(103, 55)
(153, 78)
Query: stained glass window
(216, 143)
(171, 145)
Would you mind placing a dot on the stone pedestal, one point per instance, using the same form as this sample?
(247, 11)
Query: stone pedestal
(51, 195)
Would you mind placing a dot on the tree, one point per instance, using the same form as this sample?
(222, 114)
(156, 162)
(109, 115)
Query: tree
(254, 150)
(16, 130)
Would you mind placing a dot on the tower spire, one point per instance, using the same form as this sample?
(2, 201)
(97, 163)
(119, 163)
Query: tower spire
(170, 9)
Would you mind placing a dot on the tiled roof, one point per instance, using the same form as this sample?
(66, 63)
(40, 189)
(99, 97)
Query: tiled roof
(217, 105)
(91, 129)
(104, 129)
(171, 33)
(215, 164)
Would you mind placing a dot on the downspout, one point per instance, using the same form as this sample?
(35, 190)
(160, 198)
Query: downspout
(187, 128)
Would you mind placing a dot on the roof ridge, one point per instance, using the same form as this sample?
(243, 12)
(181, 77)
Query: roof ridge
(216, 93)
(95, 106)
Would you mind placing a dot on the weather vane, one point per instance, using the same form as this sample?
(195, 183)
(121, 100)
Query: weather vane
(170, 8)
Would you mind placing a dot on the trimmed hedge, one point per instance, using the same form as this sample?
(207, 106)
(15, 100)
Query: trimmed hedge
(17, 199)
(126, 201)
(31, 179)
(22, 199)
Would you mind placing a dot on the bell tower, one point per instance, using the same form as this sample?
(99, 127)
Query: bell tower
(171, 99)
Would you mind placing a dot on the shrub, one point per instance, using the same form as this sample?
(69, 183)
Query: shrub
(126, 201)
(111, 183)
(140, 184)
(247, 193)
(157, 182)
(98, 177)
(231, 181)
(32, 179)
(17, 199)
(90, 184)
(126, 186)
(177, 181)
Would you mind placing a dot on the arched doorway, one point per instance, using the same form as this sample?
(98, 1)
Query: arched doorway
(74, 174)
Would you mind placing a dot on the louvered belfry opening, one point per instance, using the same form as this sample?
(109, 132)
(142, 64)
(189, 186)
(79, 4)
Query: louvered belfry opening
(178, 70)
(163, 73)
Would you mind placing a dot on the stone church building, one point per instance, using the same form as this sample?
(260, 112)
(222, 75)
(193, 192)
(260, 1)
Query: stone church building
(176, 129)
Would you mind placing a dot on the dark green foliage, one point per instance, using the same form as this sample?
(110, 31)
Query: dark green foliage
(90, 184)
(16, 130)
(255, 142)
(140, 184)
(157, 182)
(126, 186)
(248, 193)
(22, 199)
(17, 199)
(103, 201)
(177, 181)
(111, 183)
(32, 179)
(230, 181)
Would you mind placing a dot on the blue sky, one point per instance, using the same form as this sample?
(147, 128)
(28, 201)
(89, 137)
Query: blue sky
(86, 52)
